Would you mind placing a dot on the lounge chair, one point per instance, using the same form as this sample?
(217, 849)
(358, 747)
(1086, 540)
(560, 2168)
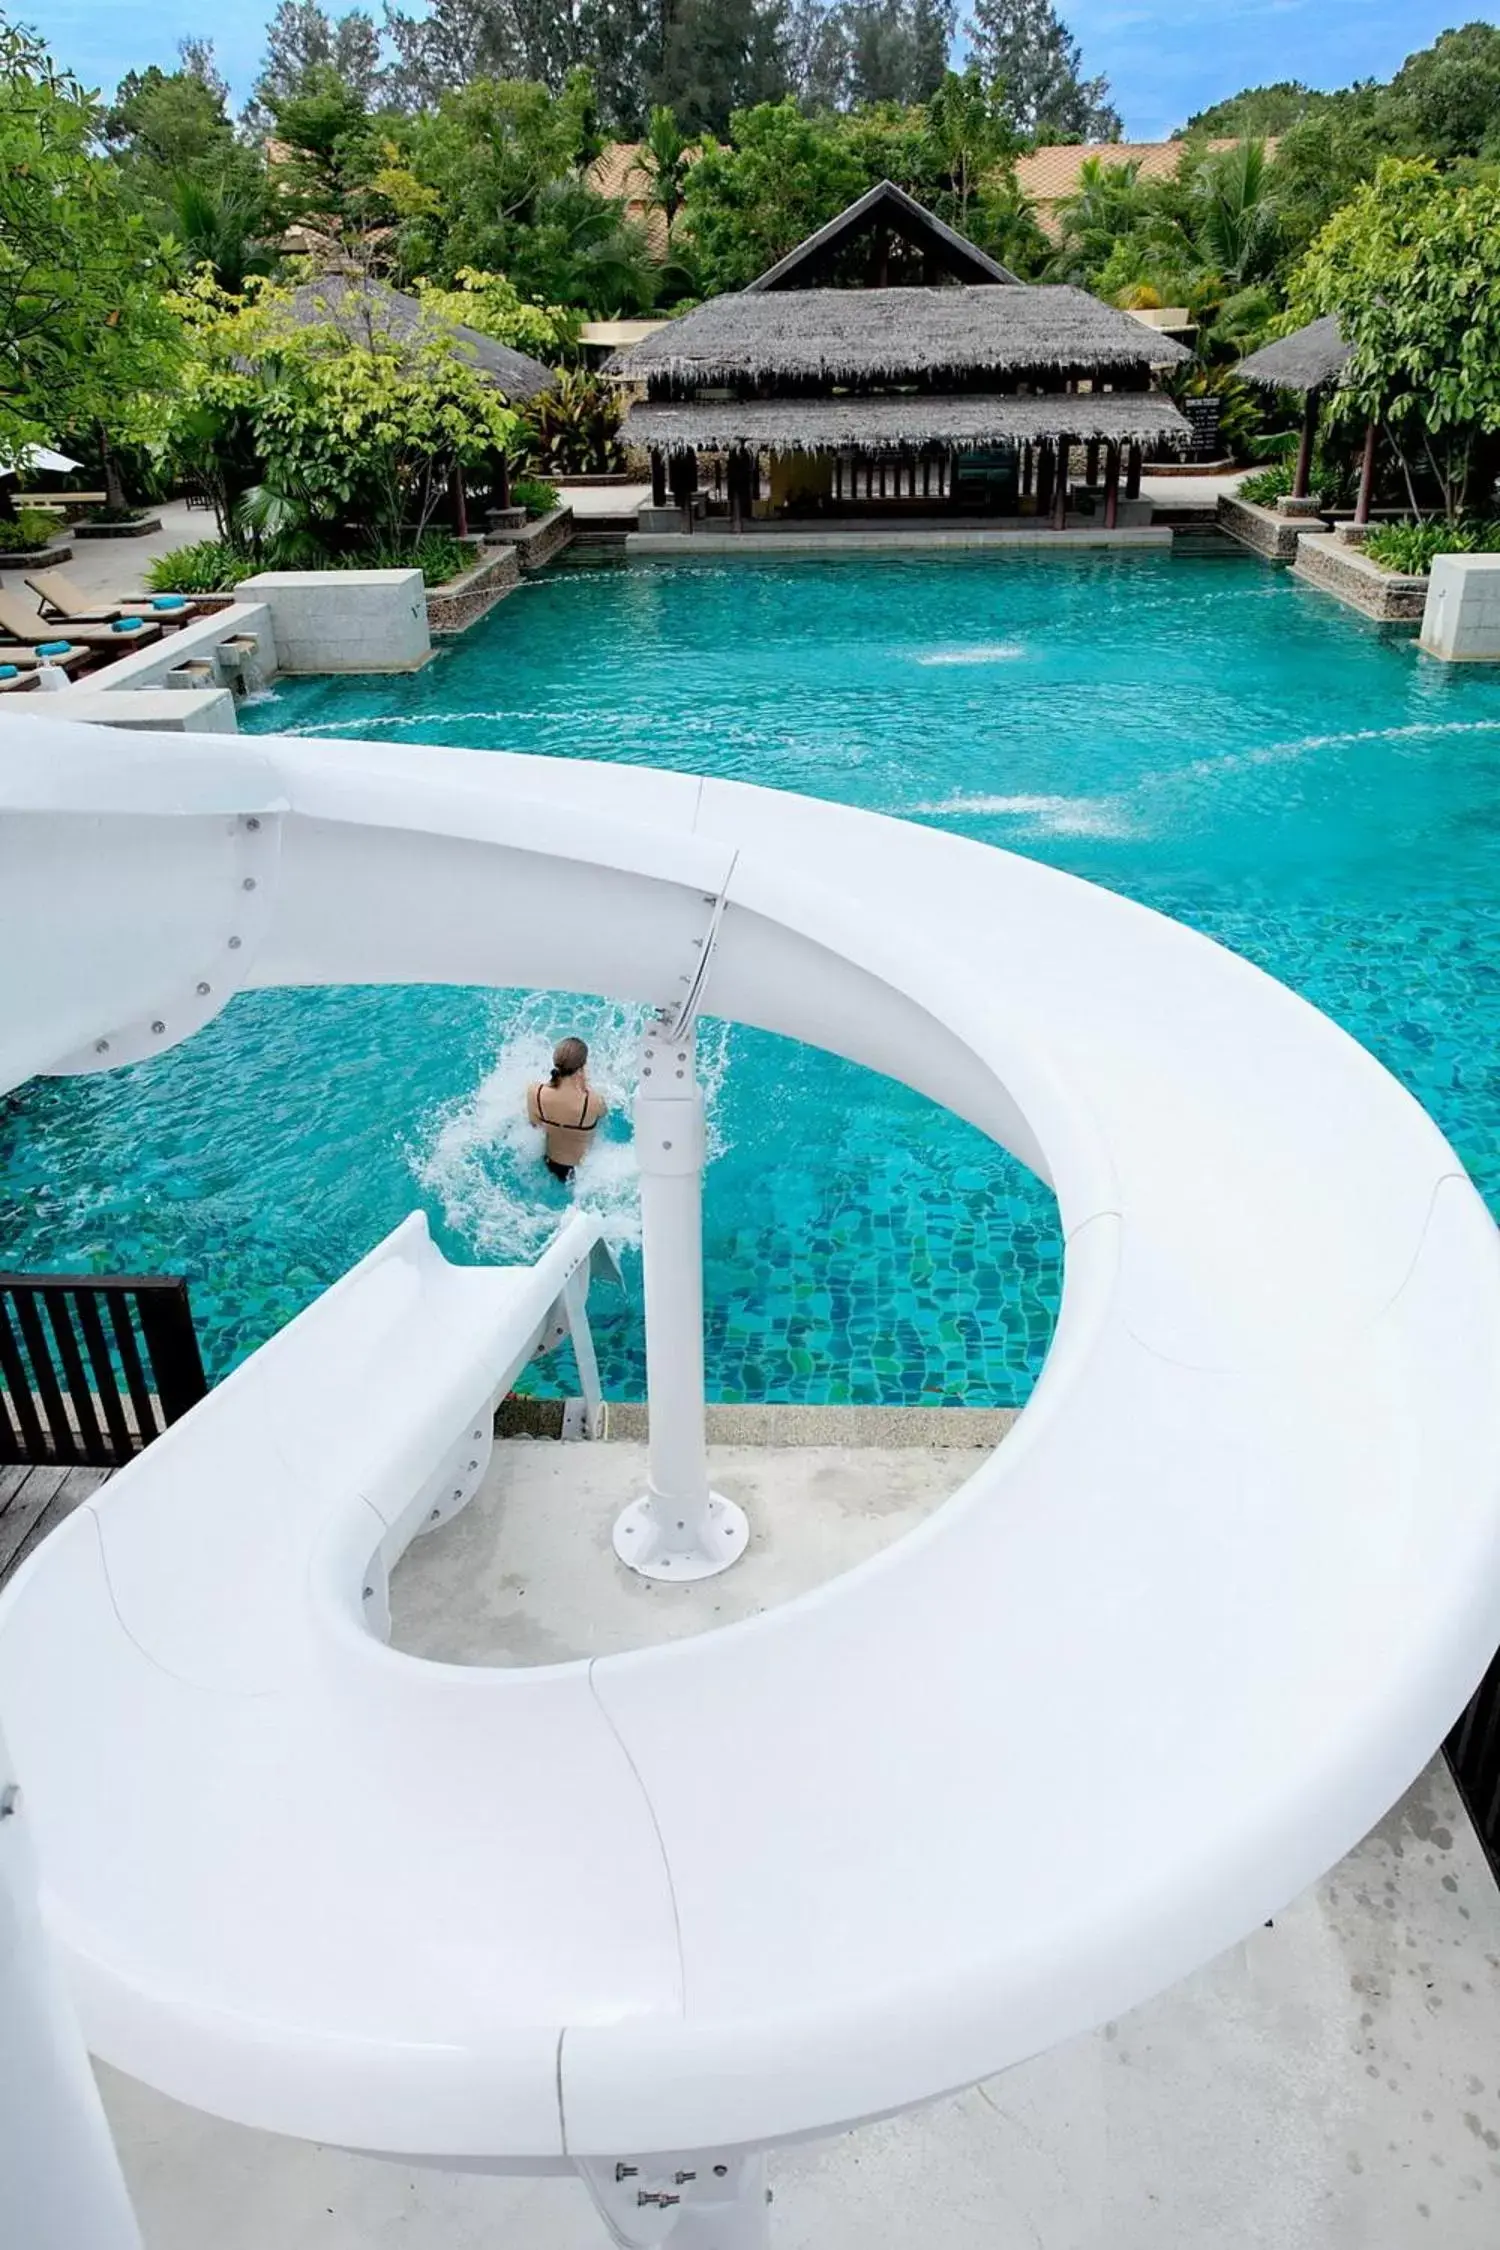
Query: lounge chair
(68, 604)
(14, 682)
(28, 657)
(18, 623)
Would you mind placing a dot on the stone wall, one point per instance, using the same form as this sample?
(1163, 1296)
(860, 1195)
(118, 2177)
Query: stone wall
(1262, 529)
(1336, 568)
(456, 606)
(537, 543)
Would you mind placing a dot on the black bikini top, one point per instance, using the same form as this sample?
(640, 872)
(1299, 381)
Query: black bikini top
(567, 1125)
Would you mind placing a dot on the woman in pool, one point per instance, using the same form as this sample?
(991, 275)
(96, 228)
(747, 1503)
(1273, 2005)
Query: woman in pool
(566, 1107)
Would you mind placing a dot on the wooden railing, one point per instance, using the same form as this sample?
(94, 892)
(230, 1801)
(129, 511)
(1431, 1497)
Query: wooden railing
(93, 1367)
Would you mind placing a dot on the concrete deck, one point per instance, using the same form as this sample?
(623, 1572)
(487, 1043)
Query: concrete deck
(1331, 2084)
(886, 539)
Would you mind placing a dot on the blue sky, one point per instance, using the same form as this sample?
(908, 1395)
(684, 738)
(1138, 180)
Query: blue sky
(1164, 58)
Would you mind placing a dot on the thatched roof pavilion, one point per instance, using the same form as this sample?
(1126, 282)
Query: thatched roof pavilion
(970, 381)
(355, 305)
(1311, 361)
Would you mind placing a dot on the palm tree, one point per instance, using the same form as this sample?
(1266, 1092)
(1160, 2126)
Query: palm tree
(1235, 214)
(664, 156)
(1109, 202)
(218, 224)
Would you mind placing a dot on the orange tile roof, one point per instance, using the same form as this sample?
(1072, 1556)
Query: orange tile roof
(1050, 175)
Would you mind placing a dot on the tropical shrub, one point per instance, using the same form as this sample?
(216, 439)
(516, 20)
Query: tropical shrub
(534, 494)
(493, 305)
(206, 566)
(437, 554)
(1411, 547)
(29, 529)
(574, 429)
(1266, 486)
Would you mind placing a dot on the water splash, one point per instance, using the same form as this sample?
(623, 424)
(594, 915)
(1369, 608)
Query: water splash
(988, 652)
(482, 1161)
(1054, 816)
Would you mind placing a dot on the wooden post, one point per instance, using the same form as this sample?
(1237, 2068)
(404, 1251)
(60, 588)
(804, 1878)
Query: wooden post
(1045, 465)
(460, 501)
(737, 476)
(658, 478)
(1367, 474)
(1302, 477)
(1133, 474)
(1060, 486)
(684, 477)
(1091, 472)
(1111, 485)
(1028, 471)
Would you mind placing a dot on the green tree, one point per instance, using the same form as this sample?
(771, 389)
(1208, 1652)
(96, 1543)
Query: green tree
(1445, 101)
(493, 305)
(349, 421)
(1259, 111)
(970, 134)
(301, 39)
(895, 50)
(1407, 268)
(1027, 46)
(719, 56)
(86, 342)
(747, 203)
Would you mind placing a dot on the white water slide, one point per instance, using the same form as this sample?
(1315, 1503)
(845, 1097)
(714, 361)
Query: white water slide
(1171, 1651)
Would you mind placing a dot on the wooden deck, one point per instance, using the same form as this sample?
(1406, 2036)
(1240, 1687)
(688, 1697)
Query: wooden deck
(33, 1502)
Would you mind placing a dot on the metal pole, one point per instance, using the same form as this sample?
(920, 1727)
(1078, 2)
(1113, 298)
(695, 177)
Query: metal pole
(60, 2181)
(679, 1528)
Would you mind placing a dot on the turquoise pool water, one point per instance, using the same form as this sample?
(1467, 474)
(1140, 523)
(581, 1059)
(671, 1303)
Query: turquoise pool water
(1205, 734)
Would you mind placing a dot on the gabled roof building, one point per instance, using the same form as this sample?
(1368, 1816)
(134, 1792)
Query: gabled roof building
(889, 362)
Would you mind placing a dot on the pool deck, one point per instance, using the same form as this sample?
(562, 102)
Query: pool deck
(1332, 2083)
(888, 539)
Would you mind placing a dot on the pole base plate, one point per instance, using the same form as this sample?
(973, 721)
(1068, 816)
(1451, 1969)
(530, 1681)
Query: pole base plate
(651, 1541)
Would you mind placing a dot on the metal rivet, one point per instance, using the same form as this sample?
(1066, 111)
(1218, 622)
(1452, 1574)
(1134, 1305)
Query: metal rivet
(682, 1074)
(626, 2171)
(252, 824)
(666, 1144)
(101, 1046)
(234, 944)
(158, 1026)
(721, 2171)
(473, 1464)
(204, 990)
(248, 884)
(434, 1516)
(369, 1590)
(458, 1492)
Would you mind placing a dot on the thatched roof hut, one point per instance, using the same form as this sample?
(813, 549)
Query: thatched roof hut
(944, 336)
(903, 422)
(355, 306)
(1310, 359)
(970, 379)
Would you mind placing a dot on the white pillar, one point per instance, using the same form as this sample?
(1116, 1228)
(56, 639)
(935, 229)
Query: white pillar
(60, 2181)
(679, 1528)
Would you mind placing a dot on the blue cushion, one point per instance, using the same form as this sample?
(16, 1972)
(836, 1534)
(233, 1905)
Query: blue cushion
(127, 624)
(53, 648)
(9, 672)
(169, 601)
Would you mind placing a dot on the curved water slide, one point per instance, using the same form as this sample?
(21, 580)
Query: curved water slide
(1167, 1655)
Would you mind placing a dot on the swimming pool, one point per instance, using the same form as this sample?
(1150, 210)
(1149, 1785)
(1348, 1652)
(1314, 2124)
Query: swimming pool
(1203, 733)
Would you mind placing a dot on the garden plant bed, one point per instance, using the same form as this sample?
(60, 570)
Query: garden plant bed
(1336, 568)
(453, 607)
(537, 542)
(36, 558)
(136, 530)
(1262, 529)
